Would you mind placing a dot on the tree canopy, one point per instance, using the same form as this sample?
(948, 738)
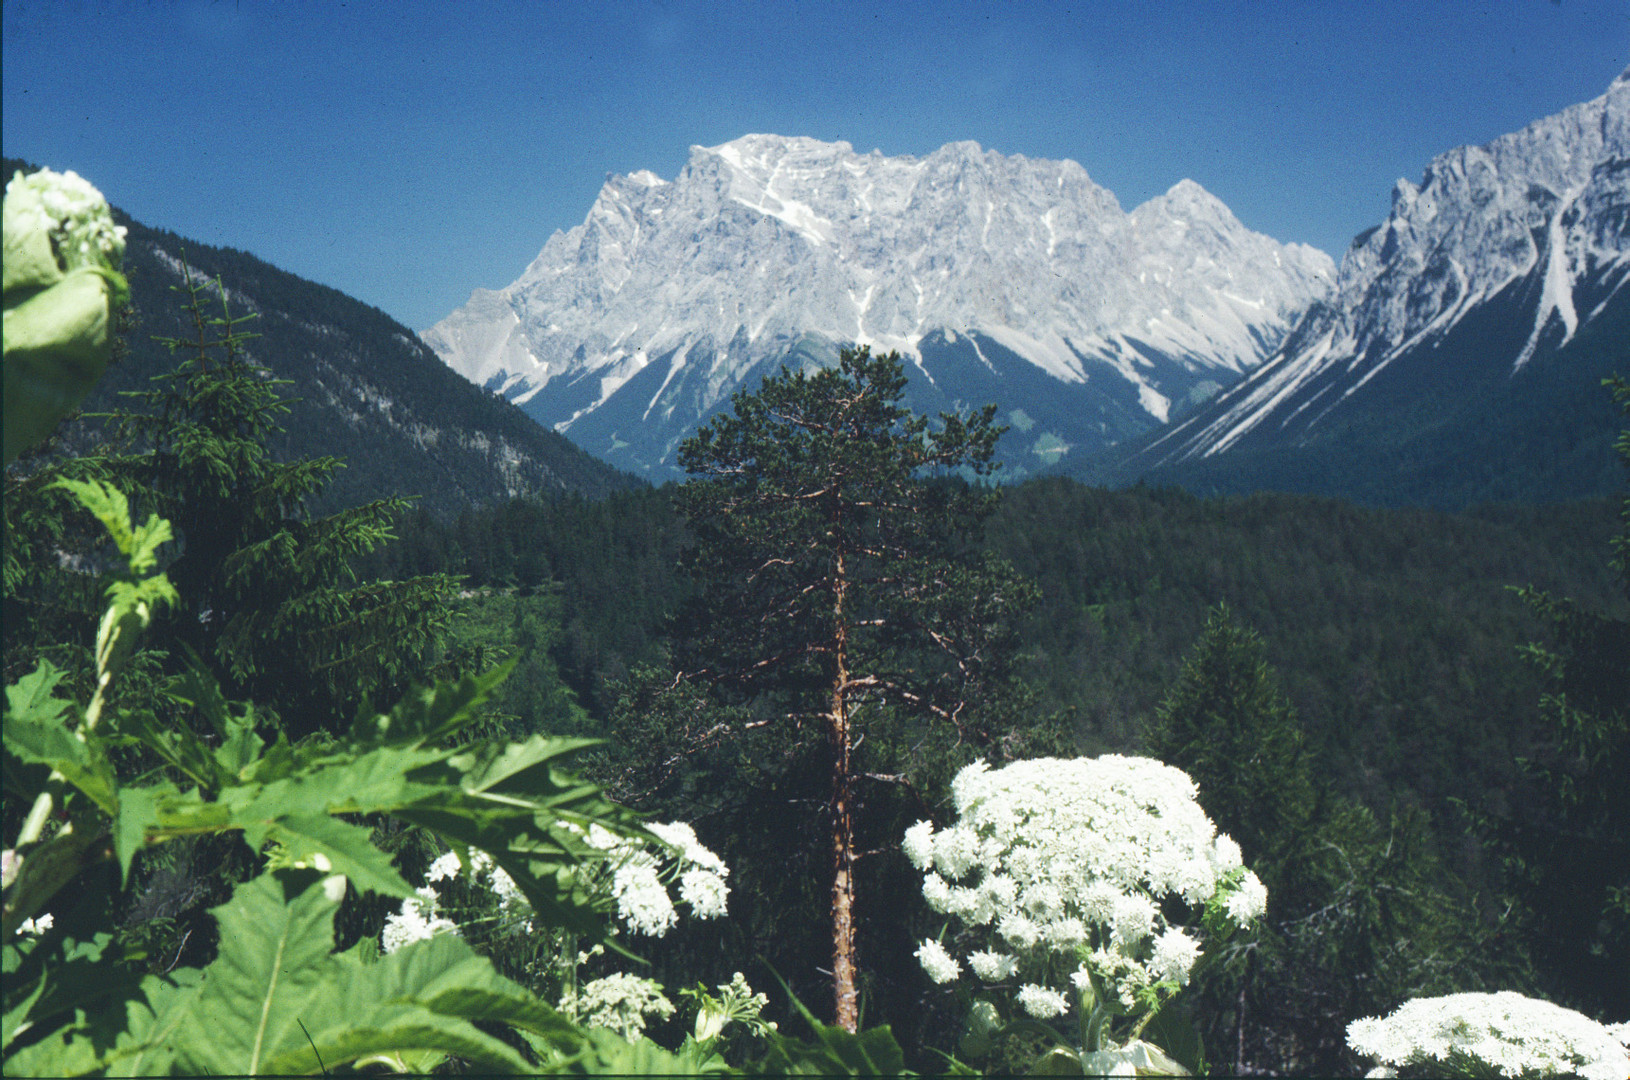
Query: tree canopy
(828, 525)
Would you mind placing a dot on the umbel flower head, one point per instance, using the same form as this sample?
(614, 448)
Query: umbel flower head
(620, 1002)
(636, 874)
(418, 919)
(1504, 1034)
(1062, 867)
(638, 870)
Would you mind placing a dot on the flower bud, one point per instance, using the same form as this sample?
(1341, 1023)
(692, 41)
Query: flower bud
(62, 287)
(710, 1019)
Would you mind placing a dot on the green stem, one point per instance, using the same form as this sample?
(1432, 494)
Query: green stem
(1037, 1026)
(1137, 1030)
(40, 813)
(1095, 1029)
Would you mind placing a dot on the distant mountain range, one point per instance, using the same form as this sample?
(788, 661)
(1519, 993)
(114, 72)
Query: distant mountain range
(999, 278)
(1454, 358)
(364, 387)
(1460, 357)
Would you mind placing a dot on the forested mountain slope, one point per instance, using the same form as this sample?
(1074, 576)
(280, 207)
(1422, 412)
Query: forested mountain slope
(364, 388)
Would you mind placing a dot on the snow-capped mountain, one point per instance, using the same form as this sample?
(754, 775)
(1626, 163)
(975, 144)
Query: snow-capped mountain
(999, 278)
(1501, 275)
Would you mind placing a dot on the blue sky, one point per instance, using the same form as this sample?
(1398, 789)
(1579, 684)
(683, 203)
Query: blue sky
(407, 152)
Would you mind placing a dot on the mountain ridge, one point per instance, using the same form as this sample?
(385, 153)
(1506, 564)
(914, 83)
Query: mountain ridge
(1476, 293)
(365, 389)
(772, 249)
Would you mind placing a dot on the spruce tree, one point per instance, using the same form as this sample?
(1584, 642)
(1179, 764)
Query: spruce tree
(828, 525)
(1228, 724)
(1566, 847)
(1357, 913)
(270, 600)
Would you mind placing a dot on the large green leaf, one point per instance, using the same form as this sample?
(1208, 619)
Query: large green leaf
(377, 781)
(609, 1054)
(33, 697)
(138, 812)
(144, 1030)
(35, 734)
(834, 1051)
(49, 977)
(174, 744)
(447, 977)
(276, 934)
(138, 544)
(524, 770)
(332, 846)
(429, 714)
(514, 803)
(277, 1001)
(67, 1051)
(545, 860)
(72, 1007)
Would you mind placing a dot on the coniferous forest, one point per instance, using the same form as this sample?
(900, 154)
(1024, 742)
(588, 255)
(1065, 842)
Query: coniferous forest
(837, 758)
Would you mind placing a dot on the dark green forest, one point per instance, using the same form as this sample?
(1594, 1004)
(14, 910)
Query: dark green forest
(1395, 632)
(1412, 722)
(1393, 638)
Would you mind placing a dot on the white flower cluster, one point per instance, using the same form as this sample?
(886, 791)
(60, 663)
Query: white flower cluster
(420, 917)
(643, 901)
(75, 215)
(512, 904)
(1071, 858)
(416, 921)
(620, 1002)
(1511, 1034)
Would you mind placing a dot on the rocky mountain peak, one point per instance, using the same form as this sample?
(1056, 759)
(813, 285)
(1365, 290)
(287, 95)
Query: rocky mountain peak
(767, 246)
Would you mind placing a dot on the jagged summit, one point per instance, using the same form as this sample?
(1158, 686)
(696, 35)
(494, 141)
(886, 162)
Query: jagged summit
(990, 272)
(1498, 255)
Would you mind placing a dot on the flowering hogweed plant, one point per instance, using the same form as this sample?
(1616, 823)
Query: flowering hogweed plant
(639, 876)
(69, 210)
(418, 920)
(1063, 872)
(421, 917)
(735, 1003)
(620, 1001)
(1503, 1034)
(638, 873)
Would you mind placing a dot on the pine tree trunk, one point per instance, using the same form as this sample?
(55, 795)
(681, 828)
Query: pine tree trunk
(843, 847)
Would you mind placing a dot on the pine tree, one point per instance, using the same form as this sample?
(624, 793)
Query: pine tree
(832, 576)
(270, 599)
